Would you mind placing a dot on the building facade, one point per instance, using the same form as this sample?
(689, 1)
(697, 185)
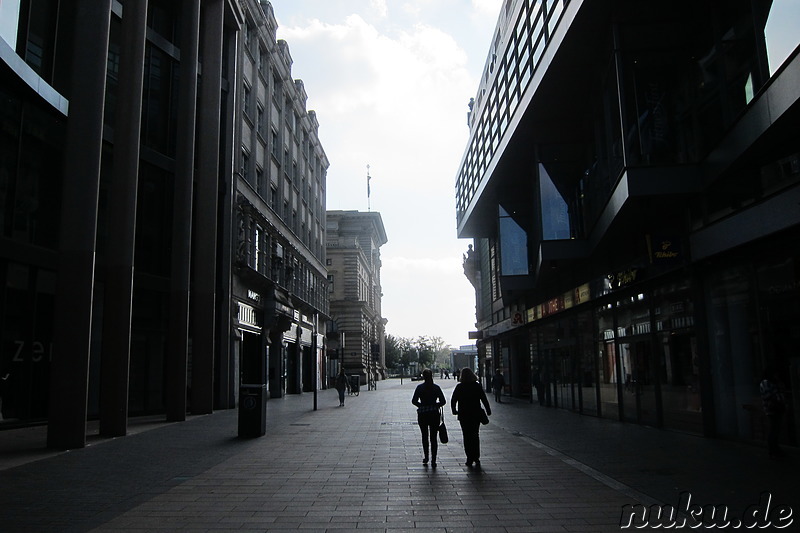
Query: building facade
(465, 356)
(354, 239)
(139, 251)
(279, 276)
(631, 185)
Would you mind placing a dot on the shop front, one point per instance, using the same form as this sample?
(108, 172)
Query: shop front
(685, 350)
(753, 308)
(622, 351)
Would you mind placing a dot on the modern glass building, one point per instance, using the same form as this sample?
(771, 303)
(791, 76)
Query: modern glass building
(631, 186)
(139, 243)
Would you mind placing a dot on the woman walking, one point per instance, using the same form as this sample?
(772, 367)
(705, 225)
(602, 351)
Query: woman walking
(428, 398)
(342, 384)
(466, 403)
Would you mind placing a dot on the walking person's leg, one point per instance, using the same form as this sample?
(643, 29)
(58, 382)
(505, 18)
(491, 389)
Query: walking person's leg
(433, 428)
(423, 427)
(476, 453)
(469, 430)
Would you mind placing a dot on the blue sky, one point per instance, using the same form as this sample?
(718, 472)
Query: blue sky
(390, 81)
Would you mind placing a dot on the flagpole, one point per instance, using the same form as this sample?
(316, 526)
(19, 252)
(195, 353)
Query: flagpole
(368, 178)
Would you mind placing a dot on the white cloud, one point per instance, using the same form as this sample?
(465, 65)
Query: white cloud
(390, 83)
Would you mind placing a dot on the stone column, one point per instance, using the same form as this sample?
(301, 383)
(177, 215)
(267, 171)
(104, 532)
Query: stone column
(115, 358)
(69, 369)
(205, 223)
(178, 334)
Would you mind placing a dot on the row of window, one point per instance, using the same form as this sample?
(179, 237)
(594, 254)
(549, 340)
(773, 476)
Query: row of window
(287, 171)
(262, 249)
(491, 113)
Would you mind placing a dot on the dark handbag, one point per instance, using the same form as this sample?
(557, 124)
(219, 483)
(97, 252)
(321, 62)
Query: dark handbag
(442, 429)
(484, 417)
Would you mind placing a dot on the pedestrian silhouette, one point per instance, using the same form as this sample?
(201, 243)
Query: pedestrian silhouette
(428, 398)
(537, 382)
(342, 384)
(466, 403)
(498, 382)
(774, 406)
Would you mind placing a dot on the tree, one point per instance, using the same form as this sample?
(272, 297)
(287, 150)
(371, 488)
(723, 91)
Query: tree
(428, 352)
(399, 351)
(432, 351)
(393, 351)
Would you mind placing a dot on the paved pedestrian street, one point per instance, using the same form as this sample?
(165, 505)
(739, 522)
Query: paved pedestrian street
(359, 468)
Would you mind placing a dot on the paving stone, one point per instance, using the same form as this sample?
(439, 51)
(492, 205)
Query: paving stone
(359, 469)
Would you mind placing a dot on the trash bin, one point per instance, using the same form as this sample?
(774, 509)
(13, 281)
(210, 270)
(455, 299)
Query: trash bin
(252, 410)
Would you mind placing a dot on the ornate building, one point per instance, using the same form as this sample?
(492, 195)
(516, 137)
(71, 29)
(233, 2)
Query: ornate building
(354, 285)
(279, 280)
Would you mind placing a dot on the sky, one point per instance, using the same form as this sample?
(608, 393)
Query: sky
(390, 82)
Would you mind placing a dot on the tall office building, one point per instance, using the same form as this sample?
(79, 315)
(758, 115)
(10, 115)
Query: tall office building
(139, 250)
(631, 186)
(354, 282)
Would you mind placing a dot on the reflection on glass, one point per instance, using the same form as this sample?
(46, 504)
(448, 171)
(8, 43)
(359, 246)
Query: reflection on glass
(555, 216)
(513, 246)
(780, 32)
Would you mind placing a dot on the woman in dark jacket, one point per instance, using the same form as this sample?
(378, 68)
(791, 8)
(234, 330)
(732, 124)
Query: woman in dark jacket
(466, 403)
(428, 397)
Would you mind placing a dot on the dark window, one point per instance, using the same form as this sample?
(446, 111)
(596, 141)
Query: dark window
(39, 35)
(30, 184)
(154, 220)
(159, 115)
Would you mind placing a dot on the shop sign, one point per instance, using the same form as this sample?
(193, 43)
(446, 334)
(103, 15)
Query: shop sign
(247, 316)
(554, 306)
(664, 249)
(569, 298)
(253, 295)
(583, 294)
(623, 278)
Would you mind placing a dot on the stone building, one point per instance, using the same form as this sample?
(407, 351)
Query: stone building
(354, 285)
(279, 280)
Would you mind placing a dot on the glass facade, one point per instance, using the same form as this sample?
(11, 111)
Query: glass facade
(29, 217)
(670, 176)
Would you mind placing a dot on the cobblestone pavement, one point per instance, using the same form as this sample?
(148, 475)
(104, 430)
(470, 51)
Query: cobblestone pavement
(359, 468)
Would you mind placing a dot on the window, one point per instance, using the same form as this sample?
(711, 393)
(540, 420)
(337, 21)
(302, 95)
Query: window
(513, 246)
(248, 111)
(263, 64)
(255, 258)
(260, 183)
(245, 165)
(555, 215)
(276, 145)
(249, 36)
(260, 124)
